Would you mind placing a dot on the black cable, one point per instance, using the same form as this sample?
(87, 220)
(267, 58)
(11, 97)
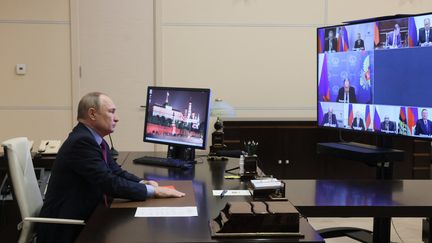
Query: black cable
(340, 136)
(394, 227)
(3, 191)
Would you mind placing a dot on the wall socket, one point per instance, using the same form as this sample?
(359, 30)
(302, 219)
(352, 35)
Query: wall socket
(21, 69)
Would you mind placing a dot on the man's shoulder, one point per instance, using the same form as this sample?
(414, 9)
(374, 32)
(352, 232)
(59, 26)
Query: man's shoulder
(79, 133)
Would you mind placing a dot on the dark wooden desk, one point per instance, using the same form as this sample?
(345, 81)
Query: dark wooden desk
(120, 225)
(362, 198)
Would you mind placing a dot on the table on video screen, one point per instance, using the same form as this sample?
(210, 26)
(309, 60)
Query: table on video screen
(120, 225)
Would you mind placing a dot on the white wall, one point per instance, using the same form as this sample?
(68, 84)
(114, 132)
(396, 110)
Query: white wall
(38, 104)
(114, 41)
(258, 55)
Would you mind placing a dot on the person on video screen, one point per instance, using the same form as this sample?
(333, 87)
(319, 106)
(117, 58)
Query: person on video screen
(329, 119)
(387, 125)
(359, 43)
(394, 38)
(425, 37)
(330, 42)
(358, 123)
(423, 125)
(346, 93)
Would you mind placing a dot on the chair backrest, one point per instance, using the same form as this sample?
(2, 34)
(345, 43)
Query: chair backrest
(24, 182)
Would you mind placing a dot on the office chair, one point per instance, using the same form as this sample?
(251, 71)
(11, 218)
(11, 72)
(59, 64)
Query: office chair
(26, 189)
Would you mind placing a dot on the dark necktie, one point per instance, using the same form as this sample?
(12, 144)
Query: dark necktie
(104, 153)
(426, 126)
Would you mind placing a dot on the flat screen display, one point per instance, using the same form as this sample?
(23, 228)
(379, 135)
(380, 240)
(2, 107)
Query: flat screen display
(376, 76)
(177, 116)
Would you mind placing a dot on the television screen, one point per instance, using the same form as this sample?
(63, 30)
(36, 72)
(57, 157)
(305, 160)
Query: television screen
(374, 76)
(177, 116)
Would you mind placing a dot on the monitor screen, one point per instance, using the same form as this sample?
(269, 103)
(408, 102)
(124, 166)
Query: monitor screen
(375, 76)
(177, 116)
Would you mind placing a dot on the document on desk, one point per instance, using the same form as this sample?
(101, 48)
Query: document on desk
(218, 193)
(166, 212)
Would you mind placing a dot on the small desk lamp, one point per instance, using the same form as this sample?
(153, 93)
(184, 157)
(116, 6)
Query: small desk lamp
(219, 109)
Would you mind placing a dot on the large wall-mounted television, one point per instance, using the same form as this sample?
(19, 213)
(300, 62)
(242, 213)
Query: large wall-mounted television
(376, 76)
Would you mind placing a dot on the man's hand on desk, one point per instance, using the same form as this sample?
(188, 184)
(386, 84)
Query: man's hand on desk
(161, 192)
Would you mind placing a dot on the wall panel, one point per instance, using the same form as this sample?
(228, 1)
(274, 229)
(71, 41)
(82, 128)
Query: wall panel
(45, 49)
(37, 11)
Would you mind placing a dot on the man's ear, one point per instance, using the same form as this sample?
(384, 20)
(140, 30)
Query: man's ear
(92, 114)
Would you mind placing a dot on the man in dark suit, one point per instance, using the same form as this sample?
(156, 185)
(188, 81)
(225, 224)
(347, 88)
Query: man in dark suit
(394, 38)
(387, 125)
(358, 123)
(329, 119)
(359, 43)
(346, 93)
(330, 42)
(84, 174)
(423, 126)
(425, 36)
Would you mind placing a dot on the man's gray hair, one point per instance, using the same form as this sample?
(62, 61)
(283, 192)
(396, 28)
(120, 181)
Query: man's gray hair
(90, 100)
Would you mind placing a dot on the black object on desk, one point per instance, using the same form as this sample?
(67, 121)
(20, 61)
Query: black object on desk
(164, 162)
(256, 218)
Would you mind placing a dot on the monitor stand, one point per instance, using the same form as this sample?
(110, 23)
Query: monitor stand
(382, 157)
(182, 153)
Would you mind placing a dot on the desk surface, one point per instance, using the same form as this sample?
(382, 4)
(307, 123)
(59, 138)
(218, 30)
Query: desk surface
(120, 225)
(361, 198)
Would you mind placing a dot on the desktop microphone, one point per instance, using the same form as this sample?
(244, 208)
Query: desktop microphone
(113, 151)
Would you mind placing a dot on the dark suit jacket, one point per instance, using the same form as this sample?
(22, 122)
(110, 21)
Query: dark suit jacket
(358, 123)
(359, 44)
(352, 96)
(327, 45)
(398, 41)
(422, 36)
(80, 178)
(326, 119)
(421, 129)
(392, 126)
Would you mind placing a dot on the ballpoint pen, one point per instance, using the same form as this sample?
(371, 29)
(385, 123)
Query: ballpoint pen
(223, 193)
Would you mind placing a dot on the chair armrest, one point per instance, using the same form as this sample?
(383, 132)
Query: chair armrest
(50, 221)
(54, 220)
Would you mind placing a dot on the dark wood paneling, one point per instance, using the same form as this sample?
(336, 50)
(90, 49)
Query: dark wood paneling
(287, 149)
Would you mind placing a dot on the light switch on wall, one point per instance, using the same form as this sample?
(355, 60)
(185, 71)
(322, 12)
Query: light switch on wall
(21, 69)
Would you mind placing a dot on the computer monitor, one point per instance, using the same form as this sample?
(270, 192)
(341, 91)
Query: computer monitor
(177, 117)
(374, 76)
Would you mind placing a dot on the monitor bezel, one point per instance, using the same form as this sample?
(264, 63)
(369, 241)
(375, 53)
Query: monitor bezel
(356, 22)
(207, 109)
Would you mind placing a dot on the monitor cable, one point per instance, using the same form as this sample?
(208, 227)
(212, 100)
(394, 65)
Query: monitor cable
(113, 151)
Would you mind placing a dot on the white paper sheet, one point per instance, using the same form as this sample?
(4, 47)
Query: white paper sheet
(232, 193)
(166, 212)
